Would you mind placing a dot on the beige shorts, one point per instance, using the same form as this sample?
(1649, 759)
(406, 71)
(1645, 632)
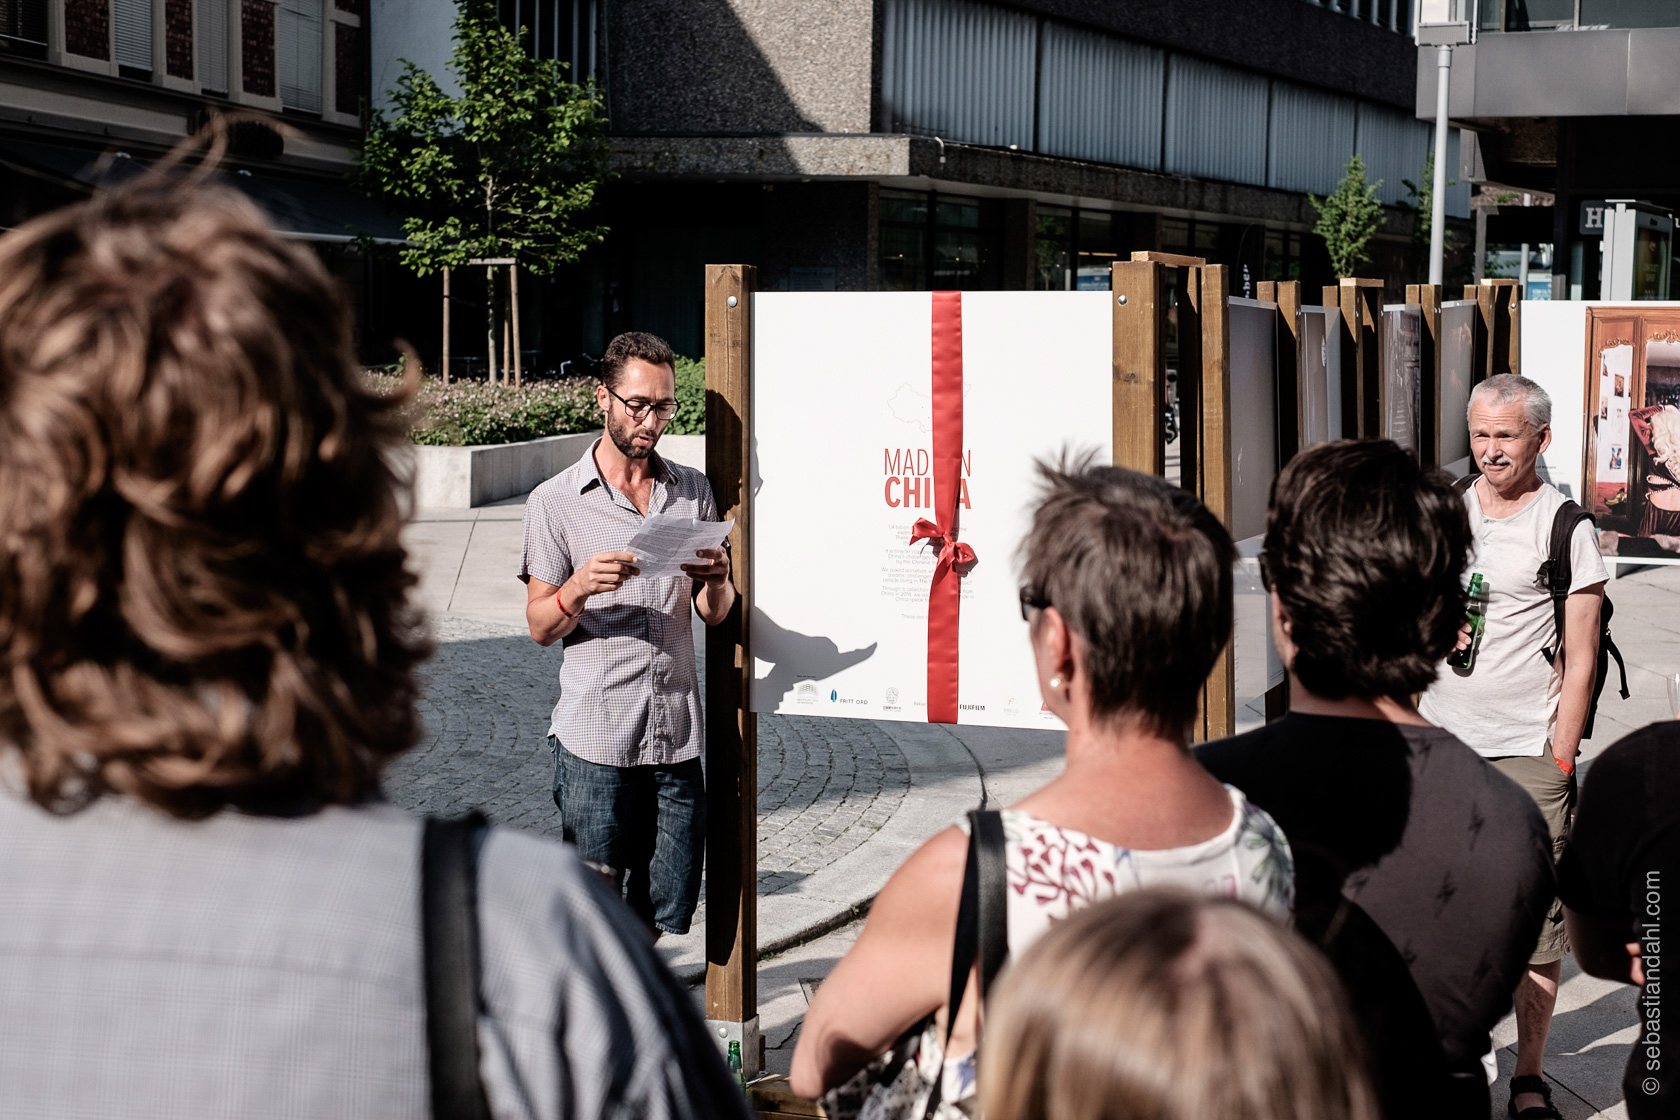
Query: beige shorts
(1554, 791)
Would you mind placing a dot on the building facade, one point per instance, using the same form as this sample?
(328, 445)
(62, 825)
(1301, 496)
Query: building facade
(91, 91)
(1565, 100)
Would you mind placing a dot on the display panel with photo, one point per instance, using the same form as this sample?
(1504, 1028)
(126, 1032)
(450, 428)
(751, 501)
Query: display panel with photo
(1633, 431)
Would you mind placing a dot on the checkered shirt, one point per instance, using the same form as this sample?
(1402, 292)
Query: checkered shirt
(629, 694)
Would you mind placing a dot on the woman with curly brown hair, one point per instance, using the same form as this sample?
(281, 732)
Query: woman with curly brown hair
(207, 658)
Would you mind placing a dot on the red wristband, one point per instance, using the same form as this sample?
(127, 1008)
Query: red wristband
(1566, 768)
(561, 603)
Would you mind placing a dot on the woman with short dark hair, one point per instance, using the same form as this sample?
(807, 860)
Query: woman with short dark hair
(207, 657)
(1127, 589)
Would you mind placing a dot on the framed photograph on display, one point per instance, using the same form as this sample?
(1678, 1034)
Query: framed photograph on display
(1632, 452)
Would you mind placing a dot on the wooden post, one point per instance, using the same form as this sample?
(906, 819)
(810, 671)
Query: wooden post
(1291, 419)
(1219, 706)
(446, 326)
(1360, 302)
(1140, 365)
(490, 323)
(1428, 299)
(1498, 327)
(505, 372)
(731, 726)
(513, 316)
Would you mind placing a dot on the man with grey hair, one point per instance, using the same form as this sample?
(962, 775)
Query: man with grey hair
(1519, 692)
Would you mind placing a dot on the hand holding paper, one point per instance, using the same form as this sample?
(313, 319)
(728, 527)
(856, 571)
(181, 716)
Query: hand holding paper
(664, 544)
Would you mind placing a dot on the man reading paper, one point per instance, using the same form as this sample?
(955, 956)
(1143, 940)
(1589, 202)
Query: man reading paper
(626, 733)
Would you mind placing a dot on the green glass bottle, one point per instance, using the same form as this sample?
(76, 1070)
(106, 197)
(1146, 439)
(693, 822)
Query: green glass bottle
(1475, 613)
(735, 1066)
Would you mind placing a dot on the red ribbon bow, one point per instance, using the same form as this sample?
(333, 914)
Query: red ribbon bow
(944, 599)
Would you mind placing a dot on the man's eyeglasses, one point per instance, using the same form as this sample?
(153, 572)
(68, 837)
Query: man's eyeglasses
(638, 408)
(1031, 600)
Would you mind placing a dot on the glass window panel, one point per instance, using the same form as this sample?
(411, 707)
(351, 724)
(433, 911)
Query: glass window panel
(1207, 237)
(1055, 229)
(1629, 13)
(961, 213)
(904, 206)
(903, 259)
(1175, 234)
(1096, 231)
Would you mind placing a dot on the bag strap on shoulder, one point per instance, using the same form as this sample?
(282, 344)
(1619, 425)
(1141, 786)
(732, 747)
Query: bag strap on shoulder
(1460, 485)
(449, 931)
(1557, 573)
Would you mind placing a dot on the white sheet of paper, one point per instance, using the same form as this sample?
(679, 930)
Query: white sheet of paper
(664, 543)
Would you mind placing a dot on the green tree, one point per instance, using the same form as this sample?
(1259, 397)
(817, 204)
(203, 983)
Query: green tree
(1422, 203)
(508, 170)
(1348, 218)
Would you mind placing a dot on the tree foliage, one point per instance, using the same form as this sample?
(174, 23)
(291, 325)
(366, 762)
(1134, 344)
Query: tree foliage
(1348, 218)
(1422, 195)
(510, 168)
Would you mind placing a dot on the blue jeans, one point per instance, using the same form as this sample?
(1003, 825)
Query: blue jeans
(644, 825)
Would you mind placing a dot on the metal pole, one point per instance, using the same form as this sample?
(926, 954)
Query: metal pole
(1438, 211)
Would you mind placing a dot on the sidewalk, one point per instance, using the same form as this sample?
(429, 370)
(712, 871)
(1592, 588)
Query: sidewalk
(843, 802)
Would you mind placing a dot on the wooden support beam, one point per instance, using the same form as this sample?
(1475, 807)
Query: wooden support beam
(446, 326)
(1428, 299)
(731, 726)
(1140, 365)
(1186, 285)
(1360, 302)
(1219, 706)
(513, 314)
(1173, 260)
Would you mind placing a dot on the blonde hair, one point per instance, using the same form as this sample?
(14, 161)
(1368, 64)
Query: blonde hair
(1164, 1005)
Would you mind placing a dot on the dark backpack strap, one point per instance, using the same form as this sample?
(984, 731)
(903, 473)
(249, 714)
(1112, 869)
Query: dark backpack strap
(1460, 485)
(1557, 573)
(982, 924)
(449, 931)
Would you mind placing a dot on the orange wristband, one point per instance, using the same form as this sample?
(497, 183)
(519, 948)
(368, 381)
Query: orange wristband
(561, 603)
(1567, 769)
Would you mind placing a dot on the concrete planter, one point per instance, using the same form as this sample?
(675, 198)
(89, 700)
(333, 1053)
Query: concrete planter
(464, 477)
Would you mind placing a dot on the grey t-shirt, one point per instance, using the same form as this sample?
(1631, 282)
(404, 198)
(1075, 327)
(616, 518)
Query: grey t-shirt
(250, 967)
(1506, 702)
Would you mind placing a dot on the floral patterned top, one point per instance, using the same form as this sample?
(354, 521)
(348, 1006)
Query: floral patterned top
(1053, 871)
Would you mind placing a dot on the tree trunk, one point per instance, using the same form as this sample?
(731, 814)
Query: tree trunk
(490, 323)
(513, 317)
(446, 326)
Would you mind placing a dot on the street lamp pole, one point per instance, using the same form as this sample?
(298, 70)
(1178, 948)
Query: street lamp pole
(1438, 190)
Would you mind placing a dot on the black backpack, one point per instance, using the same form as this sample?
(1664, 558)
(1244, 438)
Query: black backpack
(1555, 576)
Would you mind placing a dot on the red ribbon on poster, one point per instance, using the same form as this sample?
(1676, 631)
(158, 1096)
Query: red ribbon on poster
(944, 600)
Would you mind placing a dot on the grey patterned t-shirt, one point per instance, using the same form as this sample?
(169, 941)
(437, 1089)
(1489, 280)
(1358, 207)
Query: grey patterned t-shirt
(254, 967)
(629, 693)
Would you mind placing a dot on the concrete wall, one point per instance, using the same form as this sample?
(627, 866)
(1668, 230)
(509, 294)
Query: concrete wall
(740, 65)
(467, 477)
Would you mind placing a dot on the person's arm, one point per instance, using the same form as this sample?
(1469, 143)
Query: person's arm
(716, 591)
(898, 971)
(553, 612)
(1579, 654)
(1602, 948)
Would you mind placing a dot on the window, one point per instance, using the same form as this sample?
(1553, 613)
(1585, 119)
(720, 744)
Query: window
(23, 28)
(210, 35)
(300, 55)
(132, 22)
(1055, 249)
(904, 241)
(965, 243)
(566, 30)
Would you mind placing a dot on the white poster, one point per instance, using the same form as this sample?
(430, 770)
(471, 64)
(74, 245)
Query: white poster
(1402, 333)
(1458, 356)
(1615, 389)
(1321, 376)
(1253, 414)
(842, 469)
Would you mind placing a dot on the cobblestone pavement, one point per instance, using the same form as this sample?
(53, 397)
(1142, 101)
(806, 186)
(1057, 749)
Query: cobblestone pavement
(825, 786)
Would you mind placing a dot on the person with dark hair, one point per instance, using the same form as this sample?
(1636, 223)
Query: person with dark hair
(1126, 586)
(1420, 870)
(207, 659)
(626, 731)
(1523, 695)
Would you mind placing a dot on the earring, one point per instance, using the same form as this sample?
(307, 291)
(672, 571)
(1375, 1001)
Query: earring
(1055, 684)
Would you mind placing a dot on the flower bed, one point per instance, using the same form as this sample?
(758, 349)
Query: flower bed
(476, 413)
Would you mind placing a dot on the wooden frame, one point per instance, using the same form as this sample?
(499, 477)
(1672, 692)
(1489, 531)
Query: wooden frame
(1428, 299)
(731, 725)
(1360, 302)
